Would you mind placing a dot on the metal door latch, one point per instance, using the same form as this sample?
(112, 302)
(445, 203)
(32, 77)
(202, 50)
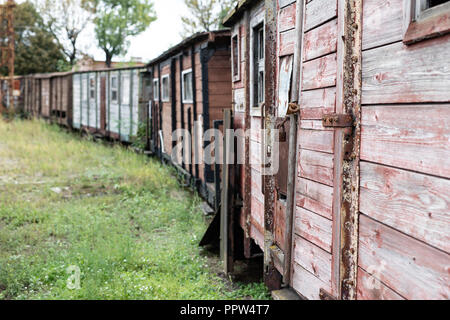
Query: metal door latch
(337, 120)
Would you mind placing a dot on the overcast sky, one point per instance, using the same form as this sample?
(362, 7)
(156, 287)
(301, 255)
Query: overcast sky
(160, 35)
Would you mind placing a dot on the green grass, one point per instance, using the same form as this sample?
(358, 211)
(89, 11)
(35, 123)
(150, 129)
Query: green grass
(121, 218)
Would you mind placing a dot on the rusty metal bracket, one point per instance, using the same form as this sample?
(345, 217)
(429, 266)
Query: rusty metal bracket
(324, 295)
(336, 120)
(293, 108)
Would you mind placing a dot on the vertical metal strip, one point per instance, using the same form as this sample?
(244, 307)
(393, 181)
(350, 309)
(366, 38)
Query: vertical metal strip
(346, 179)
(108, 126)
(119, 97)
(97, 122)
(248, 170)
(180, 57)
(131, 102)
(195, 114)
(293, 151)
(88, 99)
(272, 278)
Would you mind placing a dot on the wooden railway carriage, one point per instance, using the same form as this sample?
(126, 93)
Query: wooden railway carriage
(105, 102)
(362, 209)
(18, 94)
(189, 86)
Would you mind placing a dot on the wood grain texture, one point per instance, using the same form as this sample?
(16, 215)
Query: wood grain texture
(320, 73)
(316, 103)
(315, 197)
(287, 43)
(398, 73)
(318, 12)
(370, 288)
(307, 284)
(415, 204)
(313, 228)
(413, 137)
(382, 22)
(410, 267)
(316, 166)
(286, 18)
(317, 140)
(313, 259)
(320, 41)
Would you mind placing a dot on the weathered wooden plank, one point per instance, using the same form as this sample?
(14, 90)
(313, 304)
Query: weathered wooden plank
(286, 18)
(279, 224)
(413, 137)
(315, 197)
(257, 211)
(382, 22)
(256, 183)
(398, 73)
(320, 41)
(287, 43)
(317, 140)
(255, 126)
(320, 73)
(307, 284)
(316, 166)
(284, 3)
(318, 12)
(255, 155)
(313, 228)
(370, 288)
(313, 259)
(316, 103)
(408, 266)
(415, 204)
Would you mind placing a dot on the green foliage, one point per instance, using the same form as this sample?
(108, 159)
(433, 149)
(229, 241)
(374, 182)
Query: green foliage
(119, 217)
(117, 20)
(205, 15)
(35, 47)
(66, 20)
(139, 140)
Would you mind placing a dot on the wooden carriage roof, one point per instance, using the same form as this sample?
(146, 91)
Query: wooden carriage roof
(235, 13)
(211, 36)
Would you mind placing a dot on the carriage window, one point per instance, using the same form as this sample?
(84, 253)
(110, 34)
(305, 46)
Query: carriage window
(156, 89)
(426, 8)
(165, 88)
(187, 86)
(114, 94)
(92, 88)
(420, 15)
(235, 57)
(258, 65)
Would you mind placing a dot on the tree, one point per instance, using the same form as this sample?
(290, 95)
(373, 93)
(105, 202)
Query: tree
(36, 49)
(118, 20)
(205, 15)
(66, 20)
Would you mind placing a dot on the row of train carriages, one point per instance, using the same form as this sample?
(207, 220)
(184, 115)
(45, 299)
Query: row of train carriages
(186, 87)
(351, 200)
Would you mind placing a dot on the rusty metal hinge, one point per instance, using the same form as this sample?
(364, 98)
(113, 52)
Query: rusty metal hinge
(324, 295)
(337, 120)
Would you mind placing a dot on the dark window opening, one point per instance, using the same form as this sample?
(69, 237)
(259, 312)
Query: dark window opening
(258, 65)
(114, 94)
(92, 88)
(165, 88)
(434, 3)
(235, 56)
